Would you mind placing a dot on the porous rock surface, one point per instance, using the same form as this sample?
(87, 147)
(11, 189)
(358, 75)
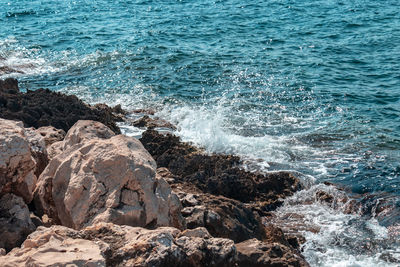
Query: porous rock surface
(105, 180)
(15, 222)
(43, 107)
(107, 244)
(218, 174)
(17, 166)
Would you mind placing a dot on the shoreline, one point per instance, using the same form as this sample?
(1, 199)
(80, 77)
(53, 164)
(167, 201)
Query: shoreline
(206, 191)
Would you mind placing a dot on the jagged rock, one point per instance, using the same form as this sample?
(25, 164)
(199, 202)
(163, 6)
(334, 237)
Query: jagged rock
(51, 134)
(38, 150)
(15, 222)
(16, 163)
(107, 244)
(110, 180)
(255, 253)
(43, 107)
(152, 123)
(85, 130)
(54, 247)
(55, 149)
(218, 174)
(222, 217)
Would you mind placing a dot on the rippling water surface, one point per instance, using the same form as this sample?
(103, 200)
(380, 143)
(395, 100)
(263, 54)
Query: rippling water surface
(308, 86)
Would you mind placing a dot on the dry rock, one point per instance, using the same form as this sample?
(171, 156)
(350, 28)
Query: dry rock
(15, 222)
(54, 247)
(17, 165)
(105, 180)
(51, 134)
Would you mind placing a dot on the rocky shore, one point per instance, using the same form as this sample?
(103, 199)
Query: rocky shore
(76, 192)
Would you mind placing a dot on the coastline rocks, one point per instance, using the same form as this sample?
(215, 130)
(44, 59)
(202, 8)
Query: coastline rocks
(105, 180)
(222, 217)
(218, 174)
(106, 244)
(15, 222)
(16, 163)
(152, 123)
(43, 107)
(255, 253)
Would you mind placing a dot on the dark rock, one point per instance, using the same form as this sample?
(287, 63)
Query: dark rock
(44, 108)
(218, 174)
(256, 253)
(152, 123)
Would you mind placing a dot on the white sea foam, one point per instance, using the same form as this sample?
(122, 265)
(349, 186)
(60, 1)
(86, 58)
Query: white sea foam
(21, 61)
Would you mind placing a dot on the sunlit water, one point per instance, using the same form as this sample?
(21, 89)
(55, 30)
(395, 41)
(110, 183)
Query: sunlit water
(307, 86)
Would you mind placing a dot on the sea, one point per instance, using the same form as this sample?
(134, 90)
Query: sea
(312, 87)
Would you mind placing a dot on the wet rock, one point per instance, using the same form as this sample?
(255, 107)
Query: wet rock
(51, 134)
(15, 222)
(105, 180)
(17, 165)
(222, 217)
(218, 174)
(43, 107)
(152, 123)
(255, 253)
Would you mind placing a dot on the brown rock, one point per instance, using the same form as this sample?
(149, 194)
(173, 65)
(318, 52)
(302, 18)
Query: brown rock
(54, 247)
(15, 222)
(152, 123)
(84, 130)
(38, 150)
(105, 180)
(255, 253)
(51, 134)
(16, 163)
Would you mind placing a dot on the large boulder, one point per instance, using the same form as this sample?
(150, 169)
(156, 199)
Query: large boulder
(15, 222)
(105, 180)
(17, 165)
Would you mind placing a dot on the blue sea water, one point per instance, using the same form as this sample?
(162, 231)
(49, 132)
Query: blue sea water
(307, 86)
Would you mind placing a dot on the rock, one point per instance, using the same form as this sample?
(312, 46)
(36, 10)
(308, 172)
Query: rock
(106, 180)
(152, 123)
(2, 252)
(55, 149)
(84, 130)
(9, 86)
(222, 217)
(43, 107)
(112, 245)
(199, 232)
(51, 134)
(54, 247)
(38, 150)
(106, 244)
(16, 163)
(218, 174)
(255, 253)
(15, 222)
